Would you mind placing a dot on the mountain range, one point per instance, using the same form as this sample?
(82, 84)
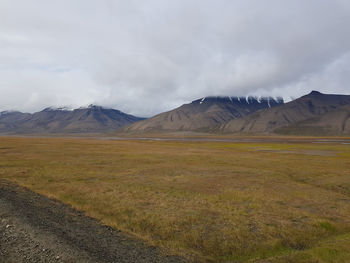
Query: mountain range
(312, 114)
(204, 115)
(62, 120)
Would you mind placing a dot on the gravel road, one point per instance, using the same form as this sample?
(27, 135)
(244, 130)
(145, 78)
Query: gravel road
(34, 228)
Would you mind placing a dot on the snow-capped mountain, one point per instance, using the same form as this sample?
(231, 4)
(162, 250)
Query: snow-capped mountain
(205, 114)
(314, 113)
(65, 120)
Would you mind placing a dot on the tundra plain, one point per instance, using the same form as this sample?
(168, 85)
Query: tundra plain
(286, 200)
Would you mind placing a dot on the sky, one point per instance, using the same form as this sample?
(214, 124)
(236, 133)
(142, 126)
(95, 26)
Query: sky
(148, 56)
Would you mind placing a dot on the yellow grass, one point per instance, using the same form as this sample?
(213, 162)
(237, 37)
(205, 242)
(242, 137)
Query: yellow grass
(209, 201)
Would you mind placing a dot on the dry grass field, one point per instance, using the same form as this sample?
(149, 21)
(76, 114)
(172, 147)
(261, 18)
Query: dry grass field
(210, 201)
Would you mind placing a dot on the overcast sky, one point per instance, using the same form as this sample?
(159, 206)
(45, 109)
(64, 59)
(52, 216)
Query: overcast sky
(147, 56)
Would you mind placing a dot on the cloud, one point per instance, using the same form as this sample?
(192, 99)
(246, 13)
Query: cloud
(144, 57)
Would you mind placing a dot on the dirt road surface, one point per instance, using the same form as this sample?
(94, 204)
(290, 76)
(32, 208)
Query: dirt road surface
(34, 228)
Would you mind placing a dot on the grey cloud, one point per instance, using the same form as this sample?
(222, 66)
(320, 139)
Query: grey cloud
(144, 57)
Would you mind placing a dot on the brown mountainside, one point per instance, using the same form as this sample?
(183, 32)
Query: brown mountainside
(306, 113)
(334, 122)
(206, 114)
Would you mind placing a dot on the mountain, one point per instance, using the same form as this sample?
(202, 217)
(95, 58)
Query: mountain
(61, 120)
(206, 114)
(334, 122)
(10, 119)
(314, 113)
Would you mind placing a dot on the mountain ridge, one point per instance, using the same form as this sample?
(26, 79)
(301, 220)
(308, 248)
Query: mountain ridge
(62, 120)
(277, 120)
(312, 114)
(205, 114)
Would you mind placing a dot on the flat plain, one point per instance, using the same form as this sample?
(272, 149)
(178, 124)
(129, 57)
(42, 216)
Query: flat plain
(279, 200)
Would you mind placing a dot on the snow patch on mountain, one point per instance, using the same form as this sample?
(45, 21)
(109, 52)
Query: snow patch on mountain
(65, 108)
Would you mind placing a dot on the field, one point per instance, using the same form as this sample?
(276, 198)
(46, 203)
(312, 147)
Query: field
(282, 201)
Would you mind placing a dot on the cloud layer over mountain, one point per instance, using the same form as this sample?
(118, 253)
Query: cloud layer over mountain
(144, 57)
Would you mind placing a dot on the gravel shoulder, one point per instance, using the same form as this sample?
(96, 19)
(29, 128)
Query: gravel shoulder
(34, 228)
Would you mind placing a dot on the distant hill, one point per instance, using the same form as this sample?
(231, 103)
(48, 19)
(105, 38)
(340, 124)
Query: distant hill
(61, 120)
(206, 114)
(315, 113)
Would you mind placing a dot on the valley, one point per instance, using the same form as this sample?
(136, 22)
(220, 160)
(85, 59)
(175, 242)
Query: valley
(174, 131)
(285, 199)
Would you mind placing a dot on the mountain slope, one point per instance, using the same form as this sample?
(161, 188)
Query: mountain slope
(205, 114)
(90, 119)
(308, 108)
(334, 122)
(10, 119)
